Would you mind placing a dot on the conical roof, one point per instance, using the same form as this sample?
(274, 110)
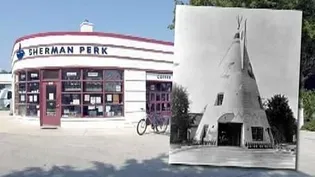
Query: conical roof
(238, 98)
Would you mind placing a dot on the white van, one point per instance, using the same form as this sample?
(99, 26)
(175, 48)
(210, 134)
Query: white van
(5, 98)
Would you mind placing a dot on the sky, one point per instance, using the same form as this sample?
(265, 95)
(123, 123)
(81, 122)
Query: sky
(204, 34)
(143, 18)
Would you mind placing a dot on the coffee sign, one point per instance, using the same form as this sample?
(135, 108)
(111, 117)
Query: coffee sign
(159, 77)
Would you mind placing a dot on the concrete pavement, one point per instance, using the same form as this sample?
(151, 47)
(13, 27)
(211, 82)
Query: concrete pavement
(26, 150)
(306, 152)
(234, 156)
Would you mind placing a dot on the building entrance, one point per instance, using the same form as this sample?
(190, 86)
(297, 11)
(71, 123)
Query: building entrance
(229, 134)
(158, 97)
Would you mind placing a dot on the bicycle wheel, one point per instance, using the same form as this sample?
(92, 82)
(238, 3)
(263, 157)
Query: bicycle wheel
(141, 127)
(162, 125)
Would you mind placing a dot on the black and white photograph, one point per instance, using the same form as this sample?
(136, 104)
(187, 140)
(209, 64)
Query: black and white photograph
(235, 87)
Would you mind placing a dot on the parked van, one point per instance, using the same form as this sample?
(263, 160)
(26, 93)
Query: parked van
(5, 98)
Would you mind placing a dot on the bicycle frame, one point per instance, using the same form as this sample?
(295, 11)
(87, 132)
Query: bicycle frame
(155, 119)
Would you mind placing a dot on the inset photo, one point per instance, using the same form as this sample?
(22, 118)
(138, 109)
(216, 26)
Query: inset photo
(235, 87)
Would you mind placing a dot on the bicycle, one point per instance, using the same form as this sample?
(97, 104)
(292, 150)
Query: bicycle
(158, 123)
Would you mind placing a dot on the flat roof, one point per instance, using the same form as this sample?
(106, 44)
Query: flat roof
(100, 34)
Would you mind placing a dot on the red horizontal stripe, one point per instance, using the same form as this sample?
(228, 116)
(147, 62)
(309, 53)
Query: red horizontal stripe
(96, 67)
(100, 34)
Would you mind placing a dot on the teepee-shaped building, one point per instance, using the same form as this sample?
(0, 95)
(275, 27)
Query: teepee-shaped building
(235, 116)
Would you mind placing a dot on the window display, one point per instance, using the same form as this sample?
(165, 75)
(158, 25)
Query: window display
(33, 87)
(92, 74)
(71, 99)
(71, 111)
(159, 97)
(113, 98)
(93, 111)
(22, 76)
(112, 86)
(93, 86)
(113, 75)
(32, 110)
(93, 99)
(71, 86)
(32, 76)
(113, 110)
(71, 74)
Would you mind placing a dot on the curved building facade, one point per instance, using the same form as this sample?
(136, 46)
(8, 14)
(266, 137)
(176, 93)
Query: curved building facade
(90, 75)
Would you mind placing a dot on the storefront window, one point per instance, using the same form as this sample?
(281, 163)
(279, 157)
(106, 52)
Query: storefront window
(33, 87)
(27, 93)
(113, 93)
(71, 86)
(158, 97)
(32, 76)
(112, 86)
(71, 74)
(32, 110)
(84, 92)
(93, 99)
(71, 111)
(113, 75)
(93, 86)
(71, 104)
(90, 74)
(71, 99)
(22, 76)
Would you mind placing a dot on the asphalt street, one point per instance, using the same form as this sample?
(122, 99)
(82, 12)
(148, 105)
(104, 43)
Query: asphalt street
(27, 151)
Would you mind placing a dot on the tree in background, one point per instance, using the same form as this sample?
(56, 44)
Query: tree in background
(180, 121)
(280, 116)
(308, 25)
(308, 100)
(2, 71)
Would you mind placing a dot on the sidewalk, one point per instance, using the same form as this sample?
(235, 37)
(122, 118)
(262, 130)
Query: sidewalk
(14, 125)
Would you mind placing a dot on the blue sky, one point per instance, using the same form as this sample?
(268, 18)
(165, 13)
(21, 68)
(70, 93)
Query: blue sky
(144, 18)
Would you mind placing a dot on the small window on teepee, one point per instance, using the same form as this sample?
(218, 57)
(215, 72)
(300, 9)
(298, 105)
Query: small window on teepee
(219, 99)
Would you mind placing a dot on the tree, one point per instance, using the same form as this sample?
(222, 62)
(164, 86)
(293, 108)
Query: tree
(310, 126)
(2, 71)
(308, 100)
(308, 25)
(180, 121)
(281, 119)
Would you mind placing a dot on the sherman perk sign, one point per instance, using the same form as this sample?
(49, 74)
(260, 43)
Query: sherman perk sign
(60, 50)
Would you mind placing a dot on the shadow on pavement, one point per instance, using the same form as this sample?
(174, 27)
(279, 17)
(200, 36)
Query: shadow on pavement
(153, 167)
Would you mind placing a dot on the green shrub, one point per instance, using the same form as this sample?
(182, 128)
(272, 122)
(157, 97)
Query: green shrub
(310, 126)
(308, 100)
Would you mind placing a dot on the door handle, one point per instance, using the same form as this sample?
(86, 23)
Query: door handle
(57, 105)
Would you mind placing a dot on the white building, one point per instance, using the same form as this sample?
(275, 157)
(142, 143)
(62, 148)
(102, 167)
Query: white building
(89, 75)
(235, 116)
(5, 81)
